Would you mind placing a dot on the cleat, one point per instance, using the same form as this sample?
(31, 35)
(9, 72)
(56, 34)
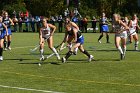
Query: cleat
(9, 48)
(5, 49)
(90, 58)
(42, 58)
(99, 41)
(136, 48)
(63, 60)
(1, 58)
(122, 56)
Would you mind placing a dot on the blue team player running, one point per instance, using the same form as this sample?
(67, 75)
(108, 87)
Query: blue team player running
(78, 41)
(7, 38)
(2, 27)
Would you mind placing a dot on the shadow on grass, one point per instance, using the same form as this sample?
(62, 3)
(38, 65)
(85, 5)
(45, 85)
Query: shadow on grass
(36, 63)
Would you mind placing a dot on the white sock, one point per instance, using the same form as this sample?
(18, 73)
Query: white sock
(120, 50)
(54, 50)
(124, 50)
(76, 49)
(136, 43)
(41, 51)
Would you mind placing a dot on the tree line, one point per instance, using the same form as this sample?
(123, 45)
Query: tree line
(85, 7)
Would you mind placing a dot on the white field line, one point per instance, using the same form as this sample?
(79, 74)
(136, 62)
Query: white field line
(23, 47)
(29, 89)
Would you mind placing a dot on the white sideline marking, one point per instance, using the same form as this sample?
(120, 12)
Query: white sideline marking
(22, 47)
(28, 89)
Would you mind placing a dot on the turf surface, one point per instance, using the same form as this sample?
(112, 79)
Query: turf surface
(106, 74)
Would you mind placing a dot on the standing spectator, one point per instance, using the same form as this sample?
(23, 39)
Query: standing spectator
(26, 23)
(85, 24)
(52, 20)
(60, 23)
(104, 28)
(33, 24)
(15, 21)
(94, 21)
(38, 24)
(20, 24)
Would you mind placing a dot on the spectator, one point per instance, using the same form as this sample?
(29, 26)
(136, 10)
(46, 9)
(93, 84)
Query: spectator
(60, 23)
(94, 21)
(85, 24)
(15, 21)
(20, 24)
(33, 24)
(38, 24)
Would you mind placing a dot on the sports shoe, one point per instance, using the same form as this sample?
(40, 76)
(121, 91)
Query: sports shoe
(9, 48)
(63, 60)
(122, 56)
(90, 58)
(99, 41)
(1, 58)
(136, 48)
(5, 49)
(42, 58)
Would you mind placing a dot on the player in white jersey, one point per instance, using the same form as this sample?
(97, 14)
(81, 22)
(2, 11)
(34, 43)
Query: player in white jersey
(120, 34)
(46, 34)
(133, 35)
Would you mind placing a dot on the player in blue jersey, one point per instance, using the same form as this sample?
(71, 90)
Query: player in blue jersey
(2, 27)
(78, 41)
(104, 28)
(8, 22)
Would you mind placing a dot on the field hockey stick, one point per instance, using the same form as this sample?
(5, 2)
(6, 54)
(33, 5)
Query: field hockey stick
(131, 34)
(54, 53)
(37, 46)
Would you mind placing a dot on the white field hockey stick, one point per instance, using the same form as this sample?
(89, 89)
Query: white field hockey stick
(37, 46)
(54, 53)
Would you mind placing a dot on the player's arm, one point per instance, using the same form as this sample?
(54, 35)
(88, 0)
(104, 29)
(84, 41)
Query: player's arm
(11, 21)
(53, 29)
(75, 35)
(40, 36)
(5, 28)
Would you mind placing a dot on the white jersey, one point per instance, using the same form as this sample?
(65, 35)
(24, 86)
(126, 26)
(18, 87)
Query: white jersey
(118, 28)
(46, 32)
(133, 27)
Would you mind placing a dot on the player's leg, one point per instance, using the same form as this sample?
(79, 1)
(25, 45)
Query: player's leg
(64, 59)
(42, 50)
(1, 49)
(123, 40)
(90, 57)
(136, 41)
(100, 37)
(9, 42)
(50, 44)
(117, 44)
(107, 37)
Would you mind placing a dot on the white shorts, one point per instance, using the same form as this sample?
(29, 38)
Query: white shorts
(46, 36)
(133, 32)
(121, 35)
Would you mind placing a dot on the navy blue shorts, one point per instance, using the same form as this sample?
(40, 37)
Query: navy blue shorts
(9, 31)
(80, 40)
(104, 28)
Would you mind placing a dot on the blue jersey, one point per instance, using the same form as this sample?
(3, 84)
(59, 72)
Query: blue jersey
(1, 31)
(7, 22)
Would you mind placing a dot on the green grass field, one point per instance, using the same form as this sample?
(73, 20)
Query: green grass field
(107, 74)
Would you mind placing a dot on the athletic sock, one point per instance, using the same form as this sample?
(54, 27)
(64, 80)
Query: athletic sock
(56, 53)
(68, 54)
(124, 50)
(1, 51)
(86, 53)
(41, 52)
(100, 37)
(136, 44)
(9, 42)
(5, 43)
(120, 50)
(107, 38)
